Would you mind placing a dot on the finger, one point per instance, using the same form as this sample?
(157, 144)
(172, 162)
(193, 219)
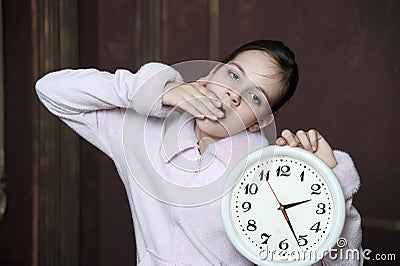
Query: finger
(204, 104)
(190, 102)
(209, 94)
(206, 107)
(200, 105)
(280, 141)
(209, 101)
(290, 138)
(190, 109)
(313, 136)
(305, 142)
(210, 105)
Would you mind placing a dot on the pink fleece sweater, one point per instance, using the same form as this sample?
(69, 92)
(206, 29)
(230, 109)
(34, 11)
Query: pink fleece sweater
(123, 116)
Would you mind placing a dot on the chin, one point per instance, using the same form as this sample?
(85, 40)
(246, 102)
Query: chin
(216, 129)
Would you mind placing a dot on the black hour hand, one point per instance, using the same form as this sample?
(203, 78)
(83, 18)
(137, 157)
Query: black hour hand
(290, 205)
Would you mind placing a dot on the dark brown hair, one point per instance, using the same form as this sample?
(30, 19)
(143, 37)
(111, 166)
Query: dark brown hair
(284, 57)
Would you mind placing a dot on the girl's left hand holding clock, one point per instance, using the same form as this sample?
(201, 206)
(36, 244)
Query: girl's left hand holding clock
(311, 141)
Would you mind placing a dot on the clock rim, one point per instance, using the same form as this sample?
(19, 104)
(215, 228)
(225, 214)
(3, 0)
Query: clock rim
(274, 150)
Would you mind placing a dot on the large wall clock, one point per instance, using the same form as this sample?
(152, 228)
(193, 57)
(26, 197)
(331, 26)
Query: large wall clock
(284, 206)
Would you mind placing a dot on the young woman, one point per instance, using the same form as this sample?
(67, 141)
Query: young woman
(133, 119)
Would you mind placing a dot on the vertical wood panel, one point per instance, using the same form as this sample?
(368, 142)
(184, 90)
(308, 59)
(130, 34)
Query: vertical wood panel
(149, 35)
(116, 50)
(116, 31)
(213, 29)
(16, 227)
(35, 135)
(186, 27)
(89, 171)
(48, 139)
(69, 197)
(58, 182)
(3, 195)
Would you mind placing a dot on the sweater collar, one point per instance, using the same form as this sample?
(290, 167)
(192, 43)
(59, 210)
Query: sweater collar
(180, 136)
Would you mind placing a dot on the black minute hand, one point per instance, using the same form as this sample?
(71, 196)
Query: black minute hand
(284, 213)
(290, 205)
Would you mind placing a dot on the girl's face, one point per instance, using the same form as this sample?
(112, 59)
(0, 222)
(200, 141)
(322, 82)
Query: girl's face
(246, 85)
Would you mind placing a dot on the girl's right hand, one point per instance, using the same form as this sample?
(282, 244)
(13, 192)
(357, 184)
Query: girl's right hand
(194, 98)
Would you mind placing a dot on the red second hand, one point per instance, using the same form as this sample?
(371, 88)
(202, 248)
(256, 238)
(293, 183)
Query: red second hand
(274, 193)
(280, 205)
(283, 212)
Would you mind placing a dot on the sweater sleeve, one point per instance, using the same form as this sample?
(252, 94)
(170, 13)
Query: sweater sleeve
(350, 251)
(87, 98)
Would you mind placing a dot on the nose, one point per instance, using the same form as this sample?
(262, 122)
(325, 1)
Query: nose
(233, 97)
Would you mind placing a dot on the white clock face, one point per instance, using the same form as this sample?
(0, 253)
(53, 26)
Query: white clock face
(282, 208)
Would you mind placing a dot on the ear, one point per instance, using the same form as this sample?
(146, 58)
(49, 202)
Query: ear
(258, 126)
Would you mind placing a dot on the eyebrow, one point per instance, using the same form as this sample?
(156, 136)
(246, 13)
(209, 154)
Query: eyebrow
(244, 73)
(238, 66)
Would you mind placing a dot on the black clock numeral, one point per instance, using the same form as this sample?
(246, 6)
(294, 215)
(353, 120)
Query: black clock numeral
(302, 240)
(283, 171)
(315, 189)
(251, 226)
(283, 244)
(246, 206)
(316, 227)
(321, 208)
(262, 176)
(251, 189)
(302, 176)
(265, 237)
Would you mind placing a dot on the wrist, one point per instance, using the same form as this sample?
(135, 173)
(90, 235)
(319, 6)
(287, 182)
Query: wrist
(165, 97)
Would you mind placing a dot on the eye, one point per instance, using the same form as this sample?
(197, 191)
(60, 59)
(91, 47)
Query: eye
(255, 98)
(233, 75)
